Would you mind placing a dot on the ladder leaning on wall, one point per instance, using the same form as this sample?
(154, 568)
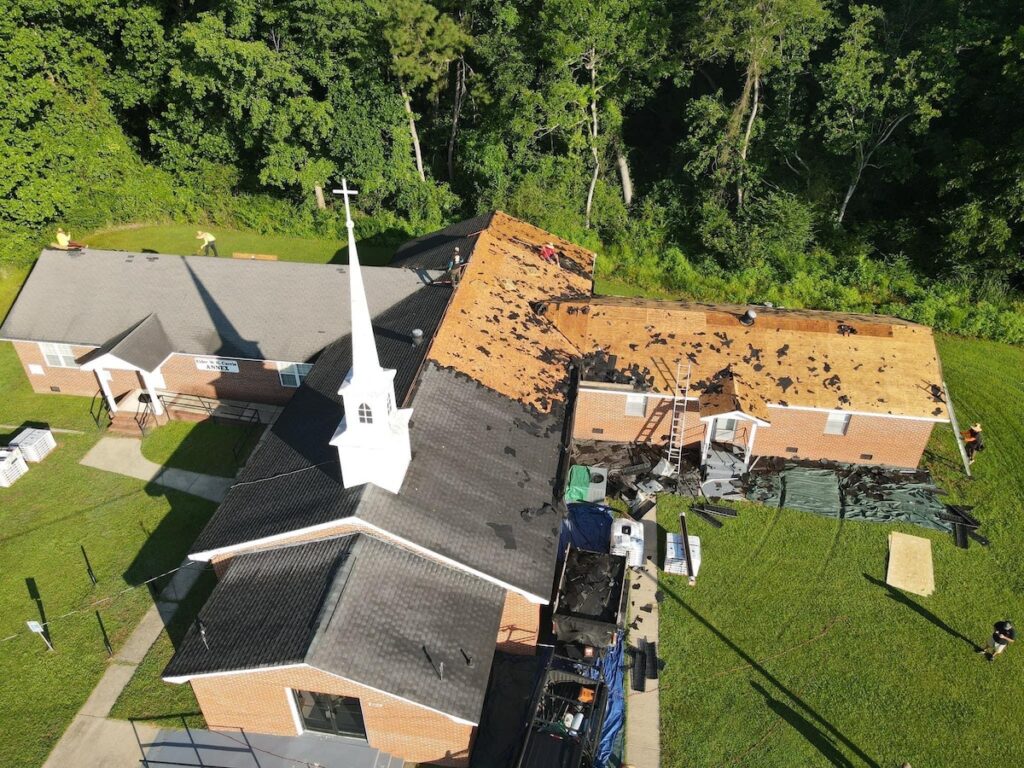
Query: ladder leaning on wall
(677, 433)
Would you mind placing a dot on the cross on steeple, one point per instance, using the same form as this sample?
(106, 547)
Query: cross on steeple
(346, 193)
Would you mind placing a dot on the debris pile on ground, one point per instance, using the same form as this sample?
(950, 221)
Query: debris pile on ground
(856, 492)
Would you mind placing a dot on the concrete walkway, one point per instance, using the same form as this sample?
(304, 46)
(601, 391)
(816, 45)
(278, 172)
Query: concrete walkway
(643, 732)
(94, 741)
(123, 455)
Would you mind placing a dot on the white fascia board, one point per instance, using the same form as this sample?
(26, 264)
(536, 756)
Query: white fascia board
(736, 415)
(622, 393)
(303, 665)
(365, 526)
(858, 413)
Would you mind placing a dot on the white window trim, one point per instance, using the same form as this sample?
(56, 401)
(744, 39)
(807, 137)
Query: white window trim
(296, 371)
(837, 423)
(62, 352)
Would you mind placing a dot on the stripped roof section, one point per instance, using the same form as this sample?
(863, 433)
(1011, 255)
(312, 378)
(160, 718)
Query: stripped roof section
(728, 392)
(491, 332)
(802, 358)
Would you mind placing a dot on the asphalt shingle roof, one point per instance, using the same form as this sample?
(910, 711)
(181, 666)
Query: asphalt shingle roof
(293, 479)
(264, 612)
(435, 250)
(144, 345)
(262, 310)
(357, 607)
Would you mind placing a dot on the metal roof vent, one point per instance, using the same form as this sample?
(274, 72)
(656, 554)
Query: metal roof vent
(748, 317)
(417, 337)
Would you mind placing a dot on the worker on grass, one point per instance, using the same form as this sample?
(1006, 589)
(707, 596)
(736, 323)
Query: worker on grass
(209, 243)
(973, 441)
(65, 243)
(1003, 633)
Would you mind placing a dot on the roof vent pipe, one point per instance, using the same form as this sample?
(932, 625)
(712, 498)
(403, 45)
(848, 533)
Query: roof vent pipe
(748, 317)
(417, 337)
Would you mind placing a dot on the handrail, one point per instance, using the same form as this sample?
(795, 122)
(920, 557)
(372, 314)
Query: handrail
(97, 412)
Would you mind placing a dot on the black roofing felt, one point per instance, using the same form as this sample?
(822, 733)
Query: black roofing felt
(357, 607)
(144, 345)
(265, 610)
(435, 250)
(293, 479)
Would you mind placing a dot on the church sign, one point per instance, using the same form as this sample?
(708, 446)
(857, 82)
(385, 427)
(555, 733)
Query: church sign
(217, 365)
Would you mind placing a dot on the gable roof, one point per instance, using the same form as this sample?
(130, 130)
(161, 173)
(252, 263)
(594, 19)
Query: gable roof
(262, 310)
(480, 489)
(145, 345)
(797, 358)
(356, 607)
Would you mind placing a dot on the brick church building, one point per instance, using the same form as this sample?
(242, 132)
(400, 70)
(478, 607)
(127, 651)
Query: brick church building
(398, 522)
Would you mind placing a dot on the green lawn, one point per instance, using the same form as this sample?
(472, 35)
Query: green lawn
(147, 697)
(181, 238)
(204, 446)
(131, 532)
(790, 651)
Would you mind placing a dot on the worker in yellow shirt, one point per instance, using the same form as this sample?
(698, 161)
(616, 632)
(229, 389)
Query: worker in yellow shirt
(65, 243)
(209, 243)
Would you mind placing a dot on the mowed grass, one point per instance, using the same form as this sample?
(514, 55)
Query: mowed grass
(791, 651)
(209, 447)
(147, 696)
(131, 532)
(181, 239)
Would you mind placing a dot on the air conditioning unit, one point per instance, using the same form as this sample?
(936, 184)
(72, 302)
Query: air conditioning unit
(35, 444)
(12, 466)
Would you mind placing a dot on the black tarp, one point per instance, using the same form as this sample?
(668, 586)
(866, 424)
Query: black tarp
(506, 713)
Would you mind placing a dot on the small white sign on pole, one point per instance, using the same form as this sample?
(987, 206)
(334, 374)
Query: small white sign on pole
(217, 365)
(36, 627)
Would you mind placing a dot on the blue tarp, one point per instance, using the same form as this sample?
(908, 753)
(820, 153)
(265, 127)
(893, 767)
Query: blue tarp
(589, 526)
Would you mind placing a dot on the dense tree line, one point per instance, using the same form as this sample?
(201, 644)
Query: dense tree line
(822, 153)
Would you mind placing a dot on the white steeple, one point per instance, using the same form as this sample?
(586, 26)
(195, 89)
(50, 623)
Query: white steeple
(373, 436)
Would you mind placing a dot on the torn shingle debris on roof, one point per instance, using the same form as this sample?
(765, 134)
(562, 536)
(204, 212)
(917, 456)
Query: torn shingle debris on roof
(797, 354)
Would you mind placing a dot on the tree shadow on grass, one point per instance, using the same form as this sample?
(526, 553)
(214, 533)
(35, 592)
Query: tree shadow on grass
(921, 611)
(814, 735)
(813, 718)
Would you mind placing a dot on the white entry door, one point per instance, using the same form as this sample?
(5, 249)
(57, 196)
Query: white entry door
(725, 430)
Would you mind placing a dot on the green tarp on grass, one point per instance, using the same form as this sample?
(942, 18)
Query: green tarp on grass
(853, 493)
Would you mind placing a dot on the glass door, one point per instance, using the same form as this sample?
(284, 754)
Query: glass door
(325, 713)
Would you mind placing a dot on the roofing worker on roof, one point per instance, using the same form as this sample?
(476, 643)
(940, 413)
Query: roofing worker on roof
(973, 441)
(65, 243)
(547, 252)
(209, 243)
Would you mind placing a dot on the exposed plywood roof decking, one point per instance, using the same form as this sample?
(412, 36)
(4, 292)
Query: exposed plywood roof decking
(798, 358)
(492, 334)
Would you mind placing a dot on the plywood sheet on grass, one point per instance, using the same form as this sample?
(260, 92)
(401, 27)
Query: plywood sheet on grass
(910, 564)
(787, 357)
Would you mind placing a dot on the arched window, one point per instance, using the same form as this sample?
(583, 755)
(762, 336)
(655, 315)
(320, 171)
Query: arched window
(365, 414)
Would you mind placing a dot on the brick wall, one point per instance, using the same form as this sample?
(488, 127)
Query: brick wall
(71, 381)
(258, 702)
(519, 629)
(256, 381)
(895, 442)
(601, 415)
